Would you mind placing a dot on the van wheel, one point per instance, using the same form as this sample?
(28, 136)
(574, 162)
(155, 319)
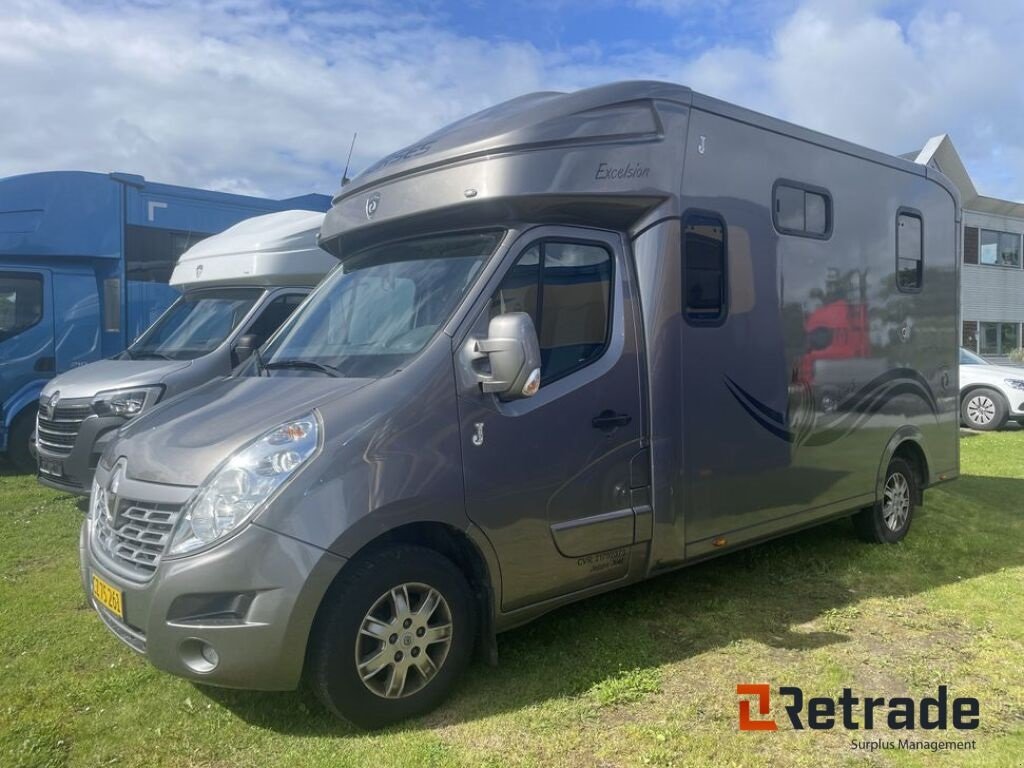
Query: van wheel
(18, 439)
(983, 409)
(392, 636)
(889, 520)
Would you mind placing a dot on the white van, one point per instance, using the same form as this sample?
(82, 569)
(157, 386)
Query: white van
(237, 288)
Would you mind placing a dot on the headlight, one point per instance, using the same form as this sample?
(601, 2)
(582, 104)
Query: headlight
(236, 490)
(125, 402)
(1015, 383)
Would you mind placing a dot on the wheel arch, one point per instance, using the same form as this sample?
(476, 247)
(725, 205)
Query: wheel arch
(470, 552)
(907, 443)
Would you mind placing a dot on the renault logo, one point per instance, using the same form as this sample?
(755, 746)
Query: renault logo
(112, 490)
(51, 406)
(372, 203)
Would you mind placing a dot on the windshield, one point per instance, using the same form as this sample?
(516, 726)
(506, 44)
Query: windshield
(195, 325)
(383, 309)
(969, 358)
(21, 302)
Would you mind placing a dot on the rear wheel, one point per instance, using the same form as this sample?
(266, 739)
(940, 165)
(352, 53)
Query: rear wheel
(392, 637)
(983, 409)
(18, 439)
(889, 520)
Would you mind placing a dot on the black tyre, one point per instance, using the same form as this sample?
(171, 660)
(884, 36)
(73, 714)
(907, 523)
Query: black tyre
(889, 520)
(984, 409)
(18, 438)
(392, 636)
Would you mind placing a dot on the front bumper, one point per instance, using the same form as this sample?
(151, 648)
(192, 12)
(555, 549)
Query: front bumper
(252, 599)
(78, 467)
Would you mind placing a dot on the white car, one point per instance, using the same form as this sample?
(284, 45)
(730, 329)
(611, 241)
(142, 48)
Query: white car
(989, 394)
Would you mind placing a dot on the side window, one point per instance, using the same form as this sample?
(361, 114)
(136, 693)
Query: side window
(151, 253)
(275, 313)
(704, 269)
(802, 210)
(909, 252)
(566, 288)
(21, 302)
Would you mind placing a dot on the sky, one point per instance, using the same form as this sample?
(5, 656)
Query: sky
(263, 96)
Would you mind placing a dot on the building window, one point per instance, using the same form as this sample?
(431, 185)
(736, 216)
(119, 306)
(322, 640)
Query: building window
(998, 339)
(970, 245)
(909, 252)
(704, 269)
(802, 210)
(970, 335)
(112, 305)
(1001, 249)
(566, 289)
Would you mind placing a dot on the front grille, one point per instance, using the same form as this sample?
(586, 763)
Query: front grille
(56, 433)
(136, 539)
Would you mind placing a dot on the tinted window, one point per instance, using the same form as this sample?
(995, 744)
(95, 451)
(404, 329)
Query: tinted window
(802, 211)
(969, 358)
(151, 253)
(275, 313)
(21, 302)
(704, 266)
(909, 255)
(566, 289)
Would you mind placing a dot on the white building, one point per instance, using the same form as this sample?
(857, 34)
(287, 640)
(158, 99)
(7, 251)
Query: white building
(992, 284)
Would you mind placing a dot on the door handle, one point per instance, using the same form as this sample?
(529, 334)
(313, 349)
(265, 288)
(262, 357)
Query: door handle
(608, 420)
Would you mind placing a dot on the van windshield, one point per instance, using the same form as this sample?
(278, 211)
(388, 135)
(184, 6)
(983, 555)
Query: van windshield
(195, 325)
(383, 308)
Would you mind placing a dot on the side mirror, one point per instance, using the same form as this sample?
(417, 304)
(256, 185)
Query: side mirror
(507, 362)
(245, 346)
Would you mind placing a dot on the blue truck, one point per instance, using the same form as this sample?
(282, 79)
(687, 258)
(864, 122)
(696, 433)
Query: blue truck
(84, 264)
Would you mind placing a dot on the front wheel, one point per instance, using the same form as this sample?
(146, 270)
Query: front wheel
(889, 520)
(18, 439)
(983, 409)
(392, 636)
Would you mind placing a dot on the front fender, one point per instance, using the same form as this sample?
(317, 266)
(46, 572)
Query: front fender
(25, 397)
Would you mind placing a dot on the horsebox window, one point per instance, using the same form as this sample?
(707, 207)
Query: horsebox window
(704, 269)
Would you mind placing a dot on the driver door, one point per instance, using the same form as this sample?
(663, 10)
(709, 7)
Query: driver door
(548, 478)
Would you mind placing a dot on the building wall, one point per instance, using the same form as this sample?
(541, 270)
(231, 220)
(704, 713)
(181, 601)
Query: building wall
(991, 296)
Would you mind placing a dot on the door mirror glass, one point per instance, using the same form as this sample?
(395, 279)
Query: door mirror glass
(507, 362)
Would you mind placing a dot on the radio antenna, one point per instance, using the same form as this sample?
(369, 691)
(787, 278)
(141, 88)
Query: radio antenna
(344, 176)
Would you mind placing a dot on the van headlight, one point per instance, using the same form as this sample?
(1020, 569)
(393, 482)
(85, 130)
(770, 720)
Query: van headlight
(250, 477)
(125, 402)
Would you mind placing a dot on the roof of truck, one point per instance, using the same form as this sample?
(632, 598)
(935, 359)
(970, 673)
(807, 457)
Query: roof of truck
(542, 119)
(273, 249)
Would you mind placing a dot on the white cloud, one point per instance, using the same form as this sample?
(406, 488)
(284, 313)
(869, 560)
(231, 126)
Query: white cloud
(844, 69)
(262, 97)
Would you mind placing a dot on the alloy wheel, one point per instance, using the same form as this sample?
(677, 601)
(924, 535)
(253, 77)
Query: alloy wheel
(896, 501)
(403, 640)
(981, 410)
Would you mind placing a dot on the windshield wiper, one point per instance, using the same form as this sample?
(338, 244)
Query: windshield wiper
(304, 364)
(151, 356)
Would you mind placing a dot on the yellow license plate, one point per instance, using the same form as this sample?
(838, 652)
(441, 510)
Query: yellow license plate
(108, 596)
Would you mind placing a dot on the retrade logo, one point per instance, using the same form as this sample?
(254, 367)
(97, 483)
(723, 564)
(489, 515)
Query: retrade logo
(822, 713)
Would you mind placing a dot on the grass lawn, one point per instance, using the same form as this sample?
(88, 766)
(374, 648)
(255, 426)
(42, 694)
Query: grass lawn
(644, 676)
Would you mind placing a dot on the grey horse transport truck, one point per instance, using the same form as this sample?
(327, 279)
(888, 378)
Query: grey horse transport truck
(578, 340)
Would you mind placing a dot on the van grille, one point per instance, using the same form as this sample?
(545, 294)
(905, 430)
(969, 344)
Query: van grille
(135, 540)
(56, 433)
